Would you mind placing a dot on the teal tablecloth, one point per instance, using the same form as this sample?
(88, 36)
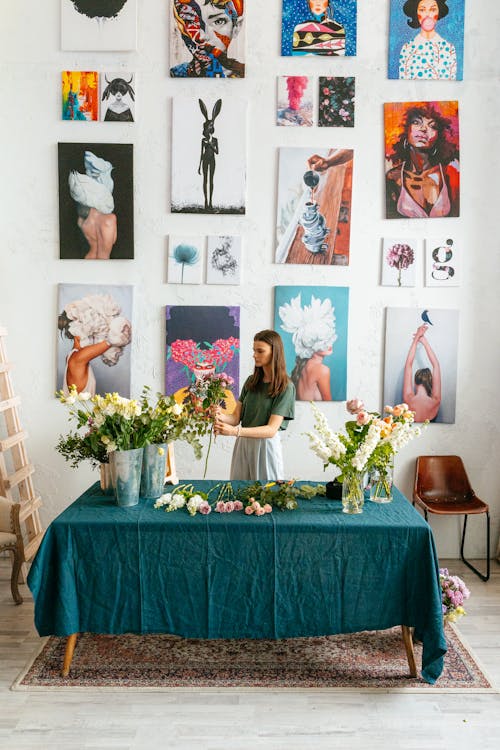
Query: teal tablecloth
(309, 572)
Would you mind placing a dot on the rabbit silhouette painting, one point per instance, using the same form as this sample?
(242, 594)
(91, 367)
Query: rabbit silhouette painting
(208, 156)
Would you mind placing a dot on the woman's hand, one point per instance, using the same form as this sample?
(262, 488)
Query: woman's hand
(420, 332)
(221, 428)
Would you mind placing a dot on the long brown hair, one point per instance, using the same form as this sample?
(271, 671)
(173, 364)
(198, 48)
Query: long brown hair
(424, 377)
(279, 378)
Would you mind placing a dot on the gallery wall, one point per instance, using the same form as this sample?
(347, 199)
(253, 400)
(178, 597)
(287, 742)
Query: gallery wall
(30, 269)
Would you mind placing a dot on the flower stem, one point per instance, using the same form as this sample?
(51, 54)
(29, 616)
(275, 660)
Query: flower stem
(208, 453)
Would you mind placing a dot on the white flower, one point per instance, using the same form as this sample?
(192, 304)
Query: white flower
(312, 326)
(177, 409)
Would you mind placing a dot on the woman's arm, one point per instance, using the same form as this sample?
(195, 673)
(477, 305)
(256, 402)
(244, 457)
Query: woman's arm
(230, 419)
(268, 430)
(87, 353)
(322, 163)
(436, 369)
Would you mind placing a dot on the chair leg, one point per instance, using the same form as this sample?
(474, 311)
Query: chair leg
(14, 579)
(475, 570)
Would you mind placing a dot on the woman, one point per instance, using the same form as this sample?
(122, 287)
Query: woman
(424, 183)
(313, 335)
(265, 406)
(321, 35)
(424, 395)
(207, 28)
(428, 56)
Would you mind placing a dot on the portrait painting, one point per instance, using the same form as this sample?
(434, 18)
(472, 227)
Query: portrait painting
(314, 206)
(186, 259)
(442, 262)
(94, 335)
(336, 102)
(202, 340)
(117, 97)
(80, 95)
(223, 259)
(295, 101)
(207, 38)
(421, 361)
(313, 321)
(400, 259)
(99, 25)
(96, 206)
(318, 27)
(208, 155)
(422, 152)
(426, 40)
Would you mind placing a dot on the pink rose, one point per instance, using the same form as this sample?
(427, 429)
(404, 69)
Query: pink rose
(268, 508)
(220, 507)
(249, 510)
(229, 506)
(238, 505)
(256, 505)
(354, 406)
(362, 418)
(205, 508)
(260, 511)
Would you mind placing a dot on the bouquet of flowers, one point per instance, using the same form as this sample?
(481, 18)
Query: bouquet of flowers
(401, 257)
(453, 594)
(368, 441)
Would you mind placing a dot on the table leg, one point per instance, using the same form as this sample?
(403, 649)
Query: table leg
(410, 655)
(68, 654)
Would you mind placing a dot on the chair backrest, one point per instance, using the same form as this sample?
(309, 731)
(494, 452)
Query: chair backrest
(443, 479)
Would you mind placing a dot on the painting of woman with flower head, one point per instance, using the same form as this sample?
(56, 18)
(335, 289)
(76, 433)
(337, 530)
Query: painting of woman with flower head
(207, 39)
(422, 157)
(312, 322)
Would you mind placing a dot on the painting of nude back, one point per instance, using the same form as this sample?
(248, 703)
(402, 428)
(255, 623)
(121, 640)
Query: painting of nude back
(421, 361)
(314, 206)
(312, 321)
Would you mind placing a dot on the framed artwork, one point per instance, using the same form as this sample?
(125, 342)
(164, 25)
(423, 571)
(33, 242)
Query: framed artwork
(314, 206)
(207, 40)
(422, 153)
(186, 258)
(426, 40)
(442, 262)
(200, 340)
(399, 261)
(96, 205)
(99, 25)
(80, 95)
(336, 102)
(421, 361)
(223, 259)
(295, 103)
(94, 332)
(312, 321)
(118, 97)
(318, 27)
(208, 155)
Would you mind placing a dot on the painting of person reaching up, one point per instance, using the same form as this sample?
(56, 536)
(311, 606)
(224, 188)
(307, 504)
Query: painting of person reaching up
(422, 391)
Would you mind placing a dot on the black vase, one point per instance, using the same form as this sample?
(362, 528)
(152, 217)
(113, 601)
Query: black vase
(334, 490)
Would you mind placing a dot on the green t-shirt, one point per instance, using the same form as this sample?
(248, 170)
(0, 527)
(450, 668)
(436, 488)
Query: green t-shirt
(257, 406)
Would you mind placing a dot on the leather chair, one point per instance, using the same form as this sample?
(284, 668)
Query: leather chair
(11, 539)
(442, 487)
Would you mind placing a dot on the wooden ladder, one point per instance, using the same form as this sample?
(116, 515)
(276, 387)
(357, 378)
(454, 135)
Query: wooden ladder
(15, 469)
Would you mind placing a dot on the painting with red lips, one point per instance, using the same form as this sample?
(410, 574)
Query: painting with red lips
(422, 153)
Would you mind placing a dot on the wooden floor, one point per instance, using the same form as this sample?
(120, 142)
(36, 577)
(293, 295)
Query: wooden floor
(266, 720)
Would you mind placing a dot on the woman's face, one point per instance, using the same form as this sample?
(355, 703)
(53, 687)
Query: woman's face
(422, 133)
(219, 28)
(262, 353)
(427, 14)
(318, 7)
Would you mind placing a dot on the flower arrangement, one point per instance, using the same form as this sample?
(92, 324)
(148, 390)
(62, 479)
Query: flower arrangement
(112, 422)
(369, 441)
(401, 257)
(216, 355)
(453, 594)
(255, 499)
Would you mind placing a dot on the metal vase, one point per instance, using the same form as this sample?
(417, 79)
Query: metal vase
(126, 475)
(153, 470)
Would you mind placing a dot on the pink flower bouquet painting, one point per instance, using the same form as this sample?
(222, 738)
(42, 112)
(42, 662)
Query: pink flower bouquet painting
(399, 261)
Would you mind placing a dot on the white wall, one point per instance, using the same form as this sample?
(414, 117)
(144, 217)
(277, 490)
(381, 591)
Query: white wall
(30, 269)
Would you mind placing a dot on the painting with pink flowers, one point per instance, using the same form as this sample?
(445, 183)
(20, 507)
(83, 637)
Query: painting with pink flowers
(201, 341)
(400, 259)
(336, 102)
(295, 101)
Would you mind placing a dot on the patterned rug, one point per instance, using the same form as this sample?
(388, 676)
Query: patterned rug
(374, 659)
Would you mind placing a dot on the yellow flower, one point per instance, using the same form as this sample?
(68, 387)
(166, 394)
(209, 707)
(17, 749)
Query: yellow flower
(161, 451)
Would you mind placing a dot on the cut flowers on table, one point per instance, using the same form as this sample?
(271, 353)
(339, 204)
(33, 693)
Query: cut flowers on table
(453, 594)
(369, 441)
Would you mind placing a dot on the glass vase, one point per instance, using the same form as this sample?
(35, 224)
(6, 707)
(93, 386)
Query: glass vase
(153, 470)
(381, 480)
(126, 475)
(353, 496)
